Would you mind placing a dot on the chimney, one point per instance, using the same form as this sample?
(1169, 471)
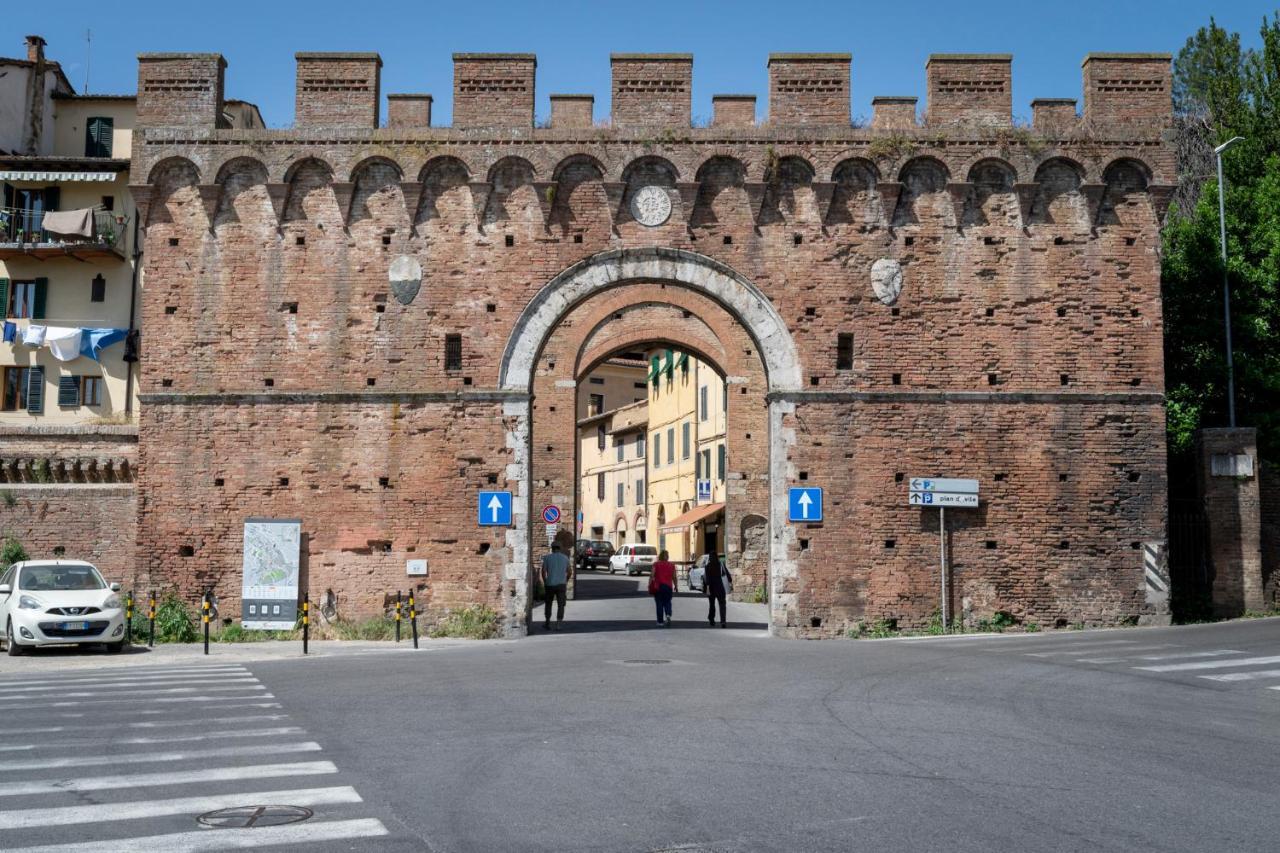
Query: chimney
(35, 49)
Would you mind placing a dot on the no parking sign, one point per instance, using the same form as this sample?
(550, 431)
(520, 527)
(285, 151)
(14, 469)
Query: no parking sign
(551, 514)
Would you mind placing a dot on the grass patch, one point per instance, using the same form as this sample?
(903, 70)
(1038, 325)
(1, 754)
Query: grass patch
(376, 628)
(758, 594)
(473, 623)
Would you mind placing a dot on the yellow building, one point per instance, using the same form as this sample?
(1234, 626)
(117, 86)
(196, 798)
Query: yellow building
(687, 463)
(611, 465)
(617, 382)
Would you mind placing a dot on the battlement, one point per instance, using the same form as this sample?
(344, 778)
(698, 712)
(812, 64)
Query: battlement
(1123, 92)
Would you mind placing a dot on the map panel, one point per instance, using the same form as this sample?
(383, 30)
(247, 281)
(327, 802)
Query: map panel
(269, 593)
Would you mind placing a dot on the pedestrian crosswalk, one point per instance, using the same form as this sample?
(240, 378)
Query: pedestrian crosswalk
(126, 760)
(1224, 666)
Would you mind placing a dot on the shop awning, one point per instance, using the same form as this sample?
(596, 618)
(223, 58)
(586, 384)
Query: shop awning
(693, 516)
(63, 177)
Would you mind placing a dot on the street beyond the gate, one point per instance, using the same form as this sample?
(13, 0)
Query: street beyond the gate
(687, 738)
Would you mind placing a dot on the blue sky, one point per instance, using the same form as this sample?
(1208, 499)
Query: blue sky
(573, 39)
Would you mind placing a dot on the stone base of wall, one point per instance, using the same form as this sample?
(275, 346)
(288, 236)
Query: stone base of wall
(98, 523)
(1269, 488)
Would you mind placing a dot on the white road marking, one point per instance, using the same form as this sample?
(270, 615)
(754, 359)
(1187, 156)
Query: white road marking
(129, 781)
(1243, 676)
(1210, 664)
(1216, 653)
(1120, 659)
(1079, 648)
(135, 700)
(154, 757)
(65, 815)
(105, 678)
(123, 686)
(241, 684)
(154, 724)
(228, 839)
(80, 742)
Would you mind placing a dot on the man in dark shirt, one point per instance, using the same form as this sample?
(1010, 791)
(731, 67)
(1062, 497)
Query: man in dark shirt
(555, 580)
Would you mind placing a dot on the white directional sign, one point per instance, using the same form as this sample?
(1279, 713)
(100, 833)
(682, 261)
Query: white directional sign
(942, 499)
(942, 484)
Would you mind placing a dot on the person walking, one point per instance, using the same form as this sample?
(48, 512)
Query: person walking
(662, 583)
(555, 581)
(717, 582)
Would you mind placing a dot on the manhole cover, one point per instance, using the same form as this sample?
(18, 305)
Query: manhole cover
(241, 817)
(645, 661)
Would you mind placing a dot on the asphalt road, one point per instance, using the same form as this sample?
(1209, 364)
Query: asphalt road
(687, 738)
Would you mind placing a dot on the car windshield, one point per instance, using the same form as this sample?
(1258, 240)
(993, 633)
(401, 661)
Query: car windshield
(604, 546)
(646, 550)
(59, 578)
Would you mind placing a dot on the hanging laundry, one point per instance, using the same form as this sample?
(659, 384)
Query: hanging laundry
(33, 335)
(69, 223)
(93, 341)
(133, 346)
(63, 342)
(10, 331)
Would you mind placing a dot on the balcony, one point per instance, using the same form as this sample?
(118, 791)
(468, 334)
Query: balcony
(22, 234)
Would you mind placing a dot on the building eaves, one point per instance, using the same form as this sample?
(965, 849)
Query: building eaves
(34, 162)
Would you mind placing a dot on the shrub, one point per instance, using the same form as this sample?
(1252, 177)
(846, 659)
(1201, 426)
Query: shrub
(12, 552)
(174, 622)
(475, 623)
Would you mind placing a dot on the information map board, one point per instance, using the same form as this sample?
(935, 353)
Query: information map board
(269, 589)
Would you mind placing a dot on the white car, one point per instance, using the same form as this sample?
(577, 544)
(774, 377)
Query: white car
(59, 602)
(633, 559)
(698, 574)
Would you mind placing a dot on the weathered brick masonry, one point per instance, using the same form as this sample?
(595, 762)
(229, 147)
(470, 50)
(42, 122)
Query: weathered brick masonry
(284, 379)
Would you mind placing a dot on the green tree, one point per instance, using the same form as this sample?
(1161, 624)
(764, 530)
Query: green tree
(1222, 90)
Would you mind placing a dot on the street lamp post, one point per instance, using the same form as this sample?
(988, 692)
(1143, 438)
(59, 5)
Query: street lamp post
(1226, 282)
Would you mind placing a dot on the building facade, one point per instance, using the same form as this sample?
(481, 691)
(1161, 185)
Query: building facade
(363, 326)
(612, 461)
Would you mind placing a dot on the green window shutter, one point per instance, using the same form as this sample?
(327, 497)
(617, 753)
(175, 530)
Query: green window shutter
(655, 370)
(4, 296)
(35, 391)
(42, 295)
(97, 141)
(671, 362)
(722, 461)
(68, 390)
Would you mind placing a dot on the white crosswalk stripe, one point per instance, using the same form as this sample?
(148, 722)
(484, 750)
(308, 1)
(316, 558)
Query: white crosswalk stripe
(1242, 676)
(1210, 664)
(68, 736)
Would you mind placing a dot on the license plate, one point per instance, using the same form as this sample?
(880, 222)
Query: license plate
(74, 626)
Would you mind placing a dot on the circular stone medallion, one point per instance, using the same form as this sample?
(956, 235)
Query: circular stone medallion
(651, 206)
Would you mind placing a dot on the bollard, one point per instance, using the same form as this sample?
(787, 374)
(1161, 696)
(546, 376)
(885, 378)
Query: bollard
(204, 607)
(306, 620)
(398, 608)
(413, 618)
(151, 619)
(128, 618)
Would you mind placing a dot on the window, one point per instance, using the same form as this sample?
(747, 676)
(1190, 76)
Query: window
(108, 202)
(640, 386)
(640, 446)
(657, 449)
(671, 445)
(702, 402)
(721, 462)
(600, 486)
(15, 388)
(24, 299)
(704, 464)
(91, 391)
(69, 391)
(600, 437)
(97, 136)
(640, 492)
(595, 404)
(684, 440)
(98, 289)
(622, 448)
(621, 494)
(724, 398)
(596, 380)
(844, 351)
(453, 352)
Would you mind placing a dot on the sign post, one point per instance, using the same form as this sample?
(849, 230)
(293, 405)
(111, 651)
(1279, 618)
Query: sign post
(943, 492)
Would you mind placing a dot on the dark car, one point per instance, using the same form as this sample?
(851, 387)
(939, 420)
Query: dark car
(593, 553)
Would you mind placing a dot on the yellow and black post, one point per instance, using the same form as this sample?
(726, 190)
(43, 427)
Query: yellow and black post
(204, 609)
(413, 618)
(151, 620)
(128, 618)
(399, 608)
(306, 620)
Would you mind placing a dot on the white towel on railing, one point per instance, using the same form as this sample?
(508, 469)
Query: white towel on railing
(33, 335)
(63, 342)
(69, 223)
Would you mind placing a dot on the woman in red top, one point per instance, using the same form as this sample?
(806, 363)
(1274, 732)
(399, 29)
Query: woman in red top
(663, 582)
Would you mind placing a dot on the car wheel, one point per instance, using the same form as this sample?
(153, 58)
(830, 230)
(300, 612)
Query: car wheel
(114, 648)
(13, 648)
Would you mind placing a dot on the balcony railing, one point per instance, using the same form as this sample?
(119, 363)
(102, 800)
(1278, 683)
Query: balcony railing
(22, 232)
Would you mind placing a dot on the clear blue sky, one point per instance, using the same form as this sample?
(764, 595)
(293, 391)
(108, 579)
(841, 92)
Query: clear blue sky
(573, 39)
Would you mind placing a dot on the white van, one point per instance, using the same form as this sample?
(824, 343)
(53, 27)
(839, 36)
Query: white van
(633, 559)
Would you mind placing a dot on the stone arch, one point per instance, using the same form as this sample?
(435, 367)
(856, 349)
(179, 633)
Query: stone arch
(446, 196)
(660, 323)
(580, 202)
(311, 197)
(924, 192)
(377, 200)
(855, 200)
(722, 193)
(1058, 196)
(1125, 201)
(513, 200)
(994, 200)
(651, 271)
(244, 197)
(176, 195)
(789, 192)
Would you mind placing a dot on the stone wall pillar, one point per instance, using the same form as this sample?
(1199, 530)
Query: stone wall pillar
(1228, 481)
